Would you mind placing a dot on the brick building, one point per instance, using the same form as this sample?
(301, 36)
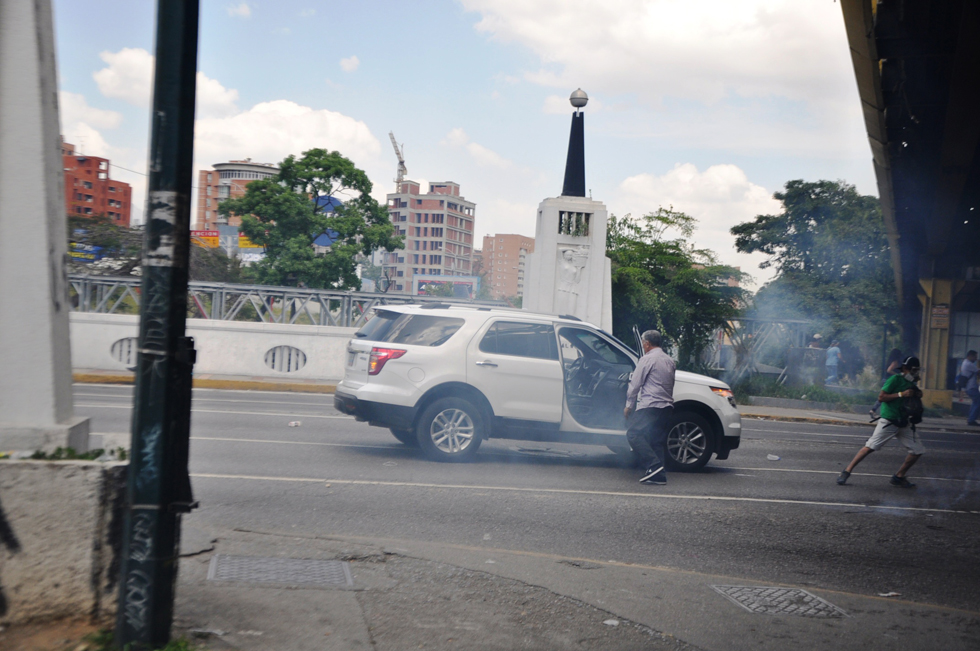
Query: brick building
(438, 231)
(226, 181)
(504, 259)
(90, 192)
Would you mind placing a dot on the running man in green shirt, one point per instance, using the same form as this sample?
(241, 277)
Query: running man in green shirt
(890, 424)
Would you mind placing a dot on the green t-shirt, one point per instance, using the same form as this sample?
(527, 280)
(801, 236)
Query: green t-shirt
(892, 410)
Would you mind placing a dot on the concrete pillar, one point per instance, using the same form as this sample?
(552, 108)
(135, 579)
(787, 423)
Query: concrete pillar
(937, 303)
(35, 381)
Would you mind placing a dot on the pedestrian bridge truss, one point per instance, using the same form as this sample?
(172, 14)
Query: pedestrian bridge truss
(250, 303)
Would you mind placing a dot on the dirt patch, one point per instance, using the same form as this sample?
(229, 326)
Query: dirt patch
(59, 635)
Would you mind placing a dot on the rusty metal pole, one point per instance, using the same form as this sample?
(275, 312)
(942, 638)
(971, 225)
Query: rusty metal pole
(159, 484)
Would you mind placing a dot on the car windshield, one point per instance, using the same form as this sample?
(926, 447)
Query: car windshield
(409, 329)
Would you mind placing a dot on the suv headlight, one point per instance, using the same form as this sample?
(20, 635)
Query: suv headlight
(725, 393)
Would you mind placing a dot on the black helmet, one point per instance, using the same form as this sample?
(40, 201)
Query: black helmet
(911, 362)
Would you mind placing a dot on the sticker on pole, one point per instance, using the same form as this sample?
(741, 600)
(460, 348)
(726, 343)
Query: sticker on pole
(161, 228)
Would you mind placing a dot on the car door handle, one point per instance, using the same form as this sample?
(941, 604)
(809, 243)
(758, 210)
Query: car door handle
(486, 363)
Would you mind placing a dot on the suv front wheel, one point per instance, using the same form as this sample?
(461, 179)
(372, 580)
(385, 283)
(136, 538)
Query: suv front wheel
(690, 442)
(450, 429)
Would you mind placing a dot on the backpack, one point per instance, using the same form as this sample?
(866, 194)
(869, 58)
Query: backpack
(912, 409)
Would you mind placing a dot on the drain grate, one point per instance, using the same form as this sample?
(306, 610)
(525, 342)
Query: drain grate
(283, 571)
(780, 601)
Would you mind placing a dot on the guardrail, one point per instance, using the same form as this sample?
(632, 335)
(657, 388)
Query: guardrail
(255, 303)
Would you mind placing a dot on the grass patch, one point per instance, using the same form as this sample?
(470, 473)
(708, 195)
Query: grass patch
(65, 454)
(103, 640)
(769, 388)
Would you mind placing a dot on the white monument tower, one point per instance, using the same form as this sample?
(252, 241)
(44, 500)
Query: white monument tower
(569, 273)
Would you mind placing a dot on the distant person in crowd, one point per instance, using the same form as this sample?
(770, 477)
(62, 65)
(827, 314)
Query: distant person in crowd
(968, 371)
(833, 360)
(893, 366)
(894, 423)
(649, 405)
(815, 342)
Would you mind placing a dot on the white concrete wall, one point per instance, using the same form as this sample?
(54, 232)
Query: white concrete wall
(58, 554)
(223, 347)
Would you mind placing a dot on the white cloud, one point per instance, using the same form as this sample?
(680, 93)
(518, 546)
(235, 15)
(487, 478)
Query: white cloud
(307, 13)
(75, 109)
(270, 131)
(213, 99)
(481, 155)
(350, 64)
(129, 76)
(241, 10)
(659, 48)
(719, 197)
(502, 216)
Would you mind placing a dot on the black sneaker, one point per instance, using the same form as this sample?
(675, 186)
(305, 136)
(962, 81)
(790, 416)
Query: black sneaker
(842, 477)
(654, 476)
(901, 482)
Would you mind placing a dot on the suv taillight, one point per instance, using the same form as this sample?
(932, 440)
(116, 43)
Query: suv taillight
(381, 355)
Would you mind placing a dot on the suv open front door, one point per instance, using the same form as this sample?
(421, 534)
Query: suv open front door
(639, 341)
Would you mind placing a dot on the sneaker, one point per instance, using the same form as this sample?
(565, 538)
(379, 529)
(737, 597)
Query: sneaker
(973, 423)
(842, 477)
(901, 482)
(654, 476)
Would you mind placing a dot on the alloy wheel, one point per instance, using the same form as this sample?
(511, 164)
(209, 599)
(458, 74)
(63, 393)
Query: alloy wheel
(452, 431)
(686, 443)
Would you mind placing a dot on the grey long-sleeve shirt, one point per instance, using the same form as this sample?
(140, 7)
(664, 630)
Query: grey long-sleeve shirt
(652, 384)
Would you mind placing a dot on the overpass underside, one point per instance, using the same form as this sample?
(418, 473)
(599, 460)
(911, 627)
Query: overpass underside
(917, 64)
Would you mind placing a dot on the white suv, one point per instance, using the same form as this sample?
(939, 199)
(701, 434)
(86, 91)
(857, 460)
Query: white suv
(446, 377)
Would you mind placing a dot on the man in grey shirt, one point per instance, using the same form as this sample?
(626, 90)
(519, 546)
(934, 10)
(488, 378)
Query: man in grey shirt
(651, 390)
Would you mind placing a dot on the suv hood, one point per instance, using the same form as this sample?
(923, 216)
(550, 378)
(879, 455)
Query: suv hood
(703, 380)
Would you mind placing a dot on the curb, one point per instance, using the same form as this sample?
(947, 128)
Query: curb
(804, 419)
(211, 383)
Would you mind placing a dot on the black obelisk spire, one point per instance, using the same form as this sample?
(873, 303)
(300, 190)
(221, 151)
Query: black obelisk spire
(574, 185)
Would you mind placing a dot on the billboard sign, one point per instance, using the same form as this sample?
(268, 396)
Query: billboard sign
(205, 239)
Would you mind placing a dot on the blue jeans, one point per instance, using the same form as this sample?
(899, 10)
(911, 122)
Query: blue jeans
(975, 407)
(831, 374)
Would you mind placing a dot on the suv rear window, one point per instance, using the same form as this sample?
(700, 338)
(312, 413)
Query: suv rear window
(409, 329)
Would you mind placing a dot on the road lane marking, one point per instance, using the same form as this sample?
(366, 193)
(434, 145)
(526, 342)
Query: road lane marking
(218, 411)
(569, 491)
(390, 447)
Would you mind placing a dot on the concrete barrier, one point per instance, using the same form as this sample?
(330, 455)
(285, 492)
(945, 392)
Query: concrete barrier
(107, 342)
(60, 534)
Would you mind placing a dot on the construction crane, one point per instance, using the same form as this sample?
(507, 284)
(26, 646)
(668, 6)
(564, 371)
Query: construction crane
(400, 154)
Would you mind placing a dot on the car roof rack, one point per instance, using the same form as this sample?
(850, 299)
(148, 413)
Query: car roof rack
(434, 306)
(569, 317)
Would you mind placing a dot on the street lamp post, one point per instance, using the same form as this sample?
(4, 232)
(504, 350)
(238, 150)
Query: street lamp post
(159, 489)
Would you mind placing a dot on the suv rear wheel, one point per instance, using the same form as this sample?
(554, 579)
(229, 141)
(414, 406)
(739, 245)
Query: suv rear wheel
(450, 429)
(690, 442)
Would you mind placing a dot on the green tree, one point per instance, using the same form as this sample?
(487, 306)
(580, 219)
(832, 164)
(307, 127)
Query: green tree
(830, 253)
(214, 265)
(286, 214)
(664, 282)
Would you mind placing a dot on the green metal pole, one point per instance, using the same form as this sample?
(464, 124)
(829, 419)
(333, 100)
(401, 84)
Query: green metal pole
(159, 485)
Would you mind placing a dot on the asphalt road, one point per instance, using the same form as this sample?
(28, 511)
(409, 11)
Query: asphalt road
(765, 520)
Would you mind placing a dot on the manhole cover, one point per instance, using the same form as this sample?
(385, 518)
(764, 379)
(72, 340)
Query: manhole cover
(779, 601)
(285, 571)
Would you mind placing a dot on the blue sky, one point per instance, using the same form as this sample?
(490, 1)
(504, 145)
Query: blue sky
(707, 106)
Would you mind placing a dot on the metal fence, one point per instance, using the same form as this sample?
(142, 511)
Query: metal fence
(259, 303)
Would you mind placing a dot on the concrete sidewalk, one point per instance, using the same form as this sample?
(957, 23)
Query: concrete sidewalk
(410, 594)
(946, 424)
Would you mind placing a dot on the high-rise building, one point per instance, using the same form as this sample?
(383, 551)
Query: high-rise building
(226, 181)
(504, 263)
(88, 189)
(438, 231)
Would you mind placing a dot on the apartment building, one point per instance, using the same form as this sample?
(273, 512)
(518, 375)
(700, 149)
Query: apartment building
(438, 231)
(504, 260)
(89, 191)
(226, 181)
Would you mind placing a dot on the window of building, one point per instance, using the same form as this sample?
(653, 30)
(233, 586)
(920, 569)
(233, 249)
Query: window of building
(88, 198)
(400, 274)
(112, 188)
(88, 185)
